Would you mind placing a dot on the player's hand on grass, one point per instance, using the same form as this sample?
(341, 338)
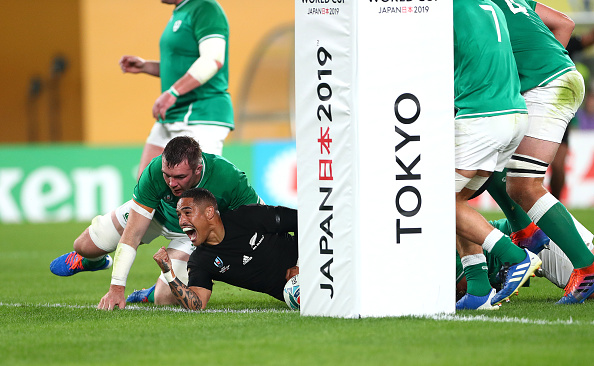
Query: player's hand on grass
(163, 260)
(115, 297)
(163, 103)
(132, 64)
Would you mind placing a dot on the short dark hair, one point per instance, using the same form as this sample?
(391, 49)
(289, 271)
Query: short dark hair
(200, 196)
(183, 148)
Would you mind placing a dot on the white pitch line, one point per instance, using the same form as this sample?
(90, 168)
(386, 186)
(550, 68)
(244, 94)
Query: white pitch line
(439, 317)
(505, 319)
(144, 308)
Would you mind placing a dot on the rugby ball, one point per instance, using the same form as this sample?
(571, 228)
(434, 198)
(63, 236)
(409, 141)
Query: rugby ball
(292, 293)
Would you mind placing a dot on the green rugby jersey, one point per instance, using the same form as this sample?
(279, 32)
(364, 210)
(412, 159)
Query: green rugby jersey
(486, 79)
(192, 22)
(228, 184)
(540, 58)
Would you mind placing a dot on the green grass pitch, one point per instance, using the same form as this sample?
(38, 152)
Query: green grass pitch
(48, 320)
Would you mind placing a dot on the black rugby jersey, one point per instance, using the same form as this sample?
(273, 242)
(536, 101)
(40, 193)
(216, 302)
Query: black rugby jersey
(255, 253)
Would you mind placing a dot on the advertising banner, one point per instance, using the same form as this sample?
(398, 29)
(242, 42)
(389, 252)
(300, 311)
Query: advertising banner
(72, 182)
(52, 183)
(375, 157)
(275, 172)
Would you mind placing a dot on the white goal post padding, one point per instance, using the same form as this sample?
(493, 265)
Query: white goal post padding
(375, 157)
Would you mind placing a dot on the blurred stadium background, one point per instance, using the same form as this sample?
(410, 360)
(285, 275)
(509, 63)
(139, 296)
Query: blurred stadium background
(73, 125)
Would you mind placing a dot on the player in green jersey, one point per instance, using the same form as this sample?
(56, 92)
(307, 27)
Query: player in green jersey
(194, 73)
(491, 119)
(151, 213)
(553, 90)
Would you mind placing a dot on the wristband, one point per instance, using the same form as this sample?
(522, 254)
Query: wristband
(168, 276)
(122, 261)
(173, 92)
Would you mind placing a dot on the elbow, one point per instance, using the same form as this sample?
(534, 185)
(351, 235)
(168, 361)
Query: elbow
(563, 22)
(569, 24)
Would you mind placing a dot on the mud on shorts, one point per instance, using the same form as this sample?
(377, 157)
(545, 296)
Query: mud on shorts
(552, 106)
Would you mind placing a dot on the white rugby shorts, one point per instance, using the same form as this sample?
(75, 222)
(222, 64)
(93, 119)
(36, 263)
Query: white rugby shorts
(487, 143)
(210, 137)
(551, 107)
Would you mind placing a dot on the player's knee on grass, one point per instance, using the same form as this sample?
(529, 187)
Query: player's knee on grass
(163, 295)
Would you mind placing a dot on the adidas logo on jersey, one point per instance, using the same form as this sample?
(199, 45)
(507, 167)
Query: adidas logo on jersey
(246, 259)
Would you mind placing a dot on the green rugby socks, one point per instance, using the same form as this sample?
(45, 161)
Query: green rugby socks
(92, 263)
(518, 219)
(554, 219)
(502, 247)
(477, 274)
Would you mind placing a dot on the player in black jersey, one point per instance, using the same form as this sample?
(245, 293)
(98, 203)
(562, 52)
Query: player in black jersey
(250, 247)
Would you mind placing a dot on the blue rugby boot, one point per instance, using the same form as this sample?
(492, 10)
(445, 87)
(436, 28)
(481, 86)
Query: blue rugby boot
(477, 302)
(516, 275)
(579, 287)
(71, 263)
(140, 295)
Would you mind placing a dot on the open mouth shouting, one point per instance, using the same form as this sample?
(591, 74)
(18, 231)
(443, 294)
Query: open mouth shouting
(191, 233)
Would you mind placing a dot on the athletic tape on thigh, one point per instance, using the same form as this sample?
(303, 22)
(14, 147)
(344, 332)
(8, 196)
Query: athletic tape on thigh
(476, 182)
(103, 233)
(461, 182)
(525, 166)
(180, 268)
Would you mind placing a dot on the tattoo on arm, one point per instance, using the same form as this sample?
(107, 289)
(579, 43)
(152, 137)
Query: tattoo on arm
(165, 266)
(185, 297)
